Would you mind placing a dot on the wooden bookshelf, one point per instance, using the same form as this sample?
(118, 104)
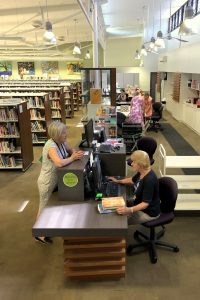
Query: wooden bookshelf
(176, 86)
(40, 113)
(68, 101)
(16, 151)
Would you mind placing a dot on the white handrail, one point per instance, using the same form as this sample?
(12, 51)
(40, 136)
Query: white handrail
(162, 160)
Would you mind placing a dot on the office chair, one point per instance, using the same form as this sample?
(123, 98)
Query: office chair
(120, 120)
(147, 144)
(131, 133)
(168, 191)
(156, 116)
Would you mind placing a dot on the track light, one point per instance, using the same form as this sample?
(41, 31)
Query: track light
(48, 35)
(87, 55)
(77, 48)
(188, 27)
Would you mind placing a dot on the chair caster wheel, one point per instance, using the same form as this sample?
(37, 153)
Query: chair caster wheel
(154, 260)
(176, 249)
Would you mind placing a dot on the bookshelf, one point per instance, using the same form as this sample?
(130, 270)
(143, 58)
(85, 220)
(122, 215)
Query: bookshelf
(176, 86)
(68, 101)
(16, 151)
(40, 113)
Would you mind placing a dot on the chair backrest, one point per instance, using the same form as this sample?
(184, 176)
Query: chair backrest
(157, 109)
(120, 118)
(168, 191)
(149, 145)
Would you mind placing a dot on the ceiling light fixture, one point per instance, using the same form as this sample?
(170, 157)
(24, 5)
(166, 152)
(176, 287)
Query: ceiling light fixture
(49, 36)
(143, 51)
(160, 41)
(87, 55)
(137, 55)
(77, 45)
(188, 26)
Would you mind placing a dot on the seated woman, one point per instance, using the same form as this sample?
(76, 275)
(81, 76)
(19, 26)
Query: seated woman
(122, 96)
(136, 115)
(145, 204)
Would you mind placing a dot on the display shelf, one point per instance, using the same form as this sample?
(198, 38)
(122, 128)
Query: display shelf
(184, 182)
(16, 151)
(106, 117)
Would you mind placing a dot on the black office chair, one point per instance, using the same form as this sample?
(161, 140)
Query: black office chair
(147, 144)
(120, 120)
(156, 117)
(131, 133)
(168, 191)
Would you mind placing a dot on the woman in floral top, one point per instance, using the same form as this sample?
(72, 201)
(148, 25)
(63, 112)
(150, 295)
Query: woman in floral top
(136, 115)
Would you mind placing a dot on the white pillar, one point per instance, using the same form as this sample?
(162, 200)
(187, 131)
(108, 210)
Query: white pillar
(95, 37)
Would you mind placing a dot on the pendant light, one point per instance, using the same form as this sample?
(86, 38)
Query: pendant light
(160, 41)
(137, 55)
(77, 45)
(87, 55)
(188, 27)
(143, 51)
(49, 36)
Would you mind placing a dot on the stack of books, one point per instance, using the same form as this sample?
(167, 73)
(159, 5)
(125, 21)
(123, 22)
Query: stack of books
(109, 205)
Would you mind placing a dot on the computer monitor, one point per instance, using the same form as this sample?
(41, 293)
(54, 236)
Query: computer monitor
(89, 133)
(97, 174)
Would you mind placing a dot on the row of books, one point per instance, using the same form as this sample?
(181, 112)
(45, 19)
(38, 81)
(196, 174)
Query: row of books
(53, 95)
(55, 104)
(8, 161)
(8, 114)
(7, 146)
(56, 114)
(38, 139)
(9, 129)
(36, 101)
(34, 113)
(37, 126)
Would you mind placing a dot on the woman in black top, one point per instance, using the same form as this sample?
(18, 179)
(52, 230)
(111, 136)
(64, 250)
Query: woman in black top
(145, 205)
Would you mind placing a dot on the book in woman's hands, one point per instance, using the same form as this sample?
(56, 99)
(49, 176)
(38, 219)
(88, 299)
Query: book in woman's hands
(113, 203)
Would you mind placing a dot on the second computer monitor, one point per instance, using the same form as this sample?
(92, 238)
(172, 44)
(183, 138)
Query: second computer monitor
(89, 133)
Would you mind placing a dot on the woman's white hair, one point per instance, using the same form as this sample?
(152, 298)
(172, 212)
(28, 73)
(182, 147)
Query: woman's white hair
(141, 158)
(55, 130)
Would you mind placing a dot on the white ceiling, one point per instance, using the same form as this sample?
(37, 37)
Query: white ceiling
(121, 18)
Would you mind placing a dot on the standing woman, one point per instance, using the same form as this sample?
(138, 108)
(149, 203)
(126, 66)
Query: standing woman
(56, 154)
(147, 105)
(136, 115)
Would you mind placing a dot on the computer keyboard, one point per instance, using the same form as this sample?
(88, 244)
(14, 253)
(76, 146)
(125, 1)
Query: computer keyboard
(113, 189)
(106, 148)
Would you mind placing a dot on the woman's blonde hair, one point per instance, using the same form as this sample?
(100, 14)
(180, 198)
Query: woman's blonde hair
(55, 130)
(141, 158)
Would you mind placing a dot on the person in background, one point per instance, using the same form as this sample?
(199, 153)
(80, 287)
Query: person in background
(56, 154)
(136, 115)
(145, 203)
(147, 105)
(122, 96)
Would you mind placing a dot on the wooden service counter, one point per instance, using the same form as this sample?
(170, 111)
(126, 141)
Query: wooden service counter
(94, 244)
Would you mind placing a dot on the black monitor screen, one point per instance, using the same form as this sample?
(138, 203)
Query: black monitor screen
(97, 175)
(89, 132)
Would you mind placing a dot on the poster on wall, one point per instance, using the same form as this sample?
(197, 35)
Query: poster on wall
(26, 68)
(5, 68)
(49, 67)
(74, 68)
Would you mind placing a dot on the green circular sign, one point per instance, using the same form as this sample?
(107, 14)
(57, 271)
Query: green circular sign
(70, 179)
